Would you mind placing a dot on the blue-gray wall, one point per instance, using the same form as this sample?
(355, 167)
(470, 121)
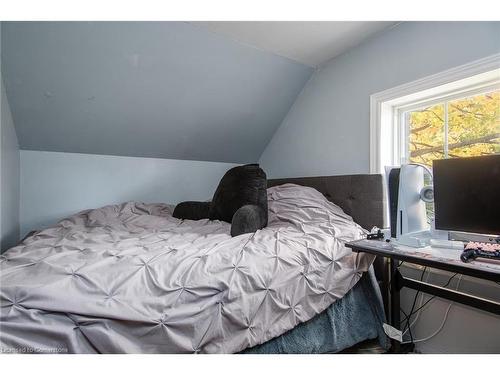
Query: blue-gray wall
(55, 185)
(151, 89)
(327, 130)
(9, 180)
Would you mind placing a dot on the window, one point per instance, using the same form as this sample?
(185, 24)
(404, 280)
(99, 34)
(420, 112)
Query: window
(452, 114)
(458, 127)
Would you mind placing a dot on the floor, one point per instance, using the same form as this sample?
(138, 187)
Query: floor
(365, 347)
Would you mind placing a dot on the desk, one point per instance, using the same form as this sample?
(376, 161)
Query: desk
(439, 258)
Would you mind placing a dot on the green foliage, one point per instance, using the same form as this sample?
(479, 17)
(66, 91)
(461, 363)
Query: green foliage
(473, 129)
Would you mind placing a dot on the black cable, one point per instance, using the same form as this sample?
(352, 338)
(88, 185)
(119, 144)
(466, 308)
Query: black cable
(409, 328)
(430, 299)
(407, 325)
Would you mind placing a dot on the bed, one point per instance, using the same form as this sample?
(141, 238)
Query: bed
(359, 315)
(130, 278)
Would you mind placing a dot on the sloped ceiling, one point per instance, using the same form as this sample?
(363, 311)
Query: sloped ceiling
(307, 42)
(151, 89)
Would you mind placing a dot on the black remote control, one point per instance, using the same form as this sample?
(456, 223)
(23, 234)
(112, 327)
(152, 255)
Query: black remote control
(471, 254)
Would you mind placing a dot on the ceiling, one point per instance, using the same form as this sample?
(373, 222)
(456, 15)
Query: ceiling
(214, 91)
(148, 89)
(309, 43)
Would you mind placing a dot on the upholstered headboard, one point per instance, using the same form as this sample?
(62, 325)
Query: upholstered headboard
(359, 195)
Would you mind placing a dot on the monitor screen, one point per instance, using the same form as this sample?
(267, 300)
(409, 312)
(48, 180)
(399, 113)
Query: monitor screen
(467, 194)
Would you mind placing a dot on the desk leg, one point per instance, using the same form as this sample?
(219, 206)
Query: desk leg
(395, 304)
(397, 282)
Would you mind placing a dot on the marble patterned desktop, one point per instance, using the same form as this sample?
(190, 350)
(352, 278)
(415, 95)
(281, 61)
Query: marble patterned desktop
(433, 254)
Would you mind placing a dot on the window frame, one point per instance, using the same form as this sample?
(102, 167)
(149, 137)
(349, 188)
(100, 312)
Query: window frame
(386, 107)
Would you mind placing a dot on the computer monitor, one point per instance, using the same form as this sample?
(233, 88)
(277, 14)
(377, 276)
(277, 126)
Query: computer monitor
(467, 194)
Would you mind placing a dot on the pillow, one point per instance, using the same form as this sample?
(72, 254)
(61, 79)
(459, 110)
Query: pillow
(301, 205)
(311, 218)
(191, 210)
(240, 186)
(248, 219)
(240, 199)
(294, 191)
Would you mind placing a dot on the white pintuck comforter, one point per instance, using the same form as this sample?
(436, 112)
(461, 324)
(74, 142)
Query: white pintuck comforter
(131, 278)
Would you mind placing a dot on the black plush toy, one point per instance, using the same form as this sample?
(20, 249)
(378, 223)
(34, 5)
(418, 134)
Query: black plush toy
(240, 199)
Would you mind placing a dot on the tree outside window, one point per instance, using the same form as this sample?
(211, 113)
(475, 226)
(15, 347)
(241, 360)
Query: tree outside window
(457, 128)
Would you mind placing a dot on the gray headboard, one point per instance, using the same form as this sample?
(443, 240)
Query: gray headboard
(359, 195)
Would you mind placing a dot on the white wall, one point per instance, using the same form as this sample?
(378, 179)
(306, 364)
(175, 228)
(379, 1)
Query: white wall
(326, 131)
(55, 185)
(466, 330)
(9, 180)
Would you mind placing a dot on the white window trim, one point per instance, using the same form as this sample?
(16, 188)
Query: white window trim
(385, 143)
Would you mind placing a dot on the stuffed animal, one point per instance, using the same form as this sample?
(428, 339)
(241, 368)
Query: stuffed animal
(240, 199)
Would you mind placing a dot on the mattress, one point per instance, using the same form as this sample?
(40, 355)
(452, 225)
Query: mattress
(130, 278)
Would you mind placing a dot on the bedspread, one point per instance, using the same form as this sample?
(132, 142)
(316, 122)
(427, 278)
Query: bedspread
(130, 278)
